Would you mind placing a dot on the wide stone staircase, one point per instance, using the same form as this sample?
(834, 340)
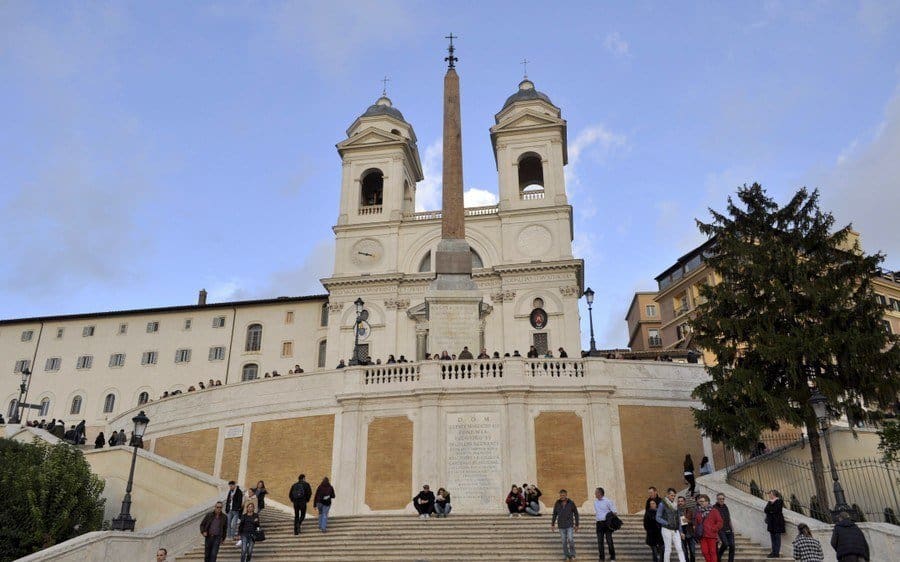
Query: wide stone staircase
(406, 538)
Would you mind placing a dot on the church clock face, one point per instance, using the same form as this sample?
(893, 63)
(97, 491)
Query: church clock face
(366, 252)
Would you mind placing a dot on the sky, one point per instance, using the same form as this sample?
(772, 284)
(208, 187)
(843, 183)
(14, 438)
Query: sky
(150, 149)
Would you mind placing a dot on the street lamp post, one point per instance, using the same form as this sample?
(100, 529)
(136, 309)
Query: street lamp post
(125, 522)
(820, 407)
(354, 360)
(23, 393)
(589, 297)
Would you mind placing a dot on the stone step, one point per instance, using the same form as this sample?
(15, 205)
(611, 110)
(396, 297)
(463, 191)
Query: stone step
(402, 538)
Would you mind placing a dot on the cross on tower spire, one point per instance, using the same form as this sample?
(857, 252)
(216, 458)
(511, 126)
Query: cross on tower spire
(450, 58)
(524, 64)
(384, 81)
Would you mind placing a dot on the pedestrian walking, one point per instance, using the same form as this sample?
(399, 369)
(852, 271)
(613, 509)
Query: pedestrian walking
(707, 524)
(688, 539)
(566, 513)
(670, 525)
(726, 535)
(234, 503)
(806, 547)
(322, 501)
(248, 529)
(705, 467)
(213, 528)
(300, 494)
(775, 521)
(848, 540)
(653, 531)
(604, 509)
(260, 493)
(689, 475)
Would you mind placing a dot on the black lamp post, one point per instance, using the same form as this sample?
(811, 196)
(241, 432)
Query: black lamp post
(354, 360)
(125, 522)
(820, 407)
(589, 297)
(23, 392)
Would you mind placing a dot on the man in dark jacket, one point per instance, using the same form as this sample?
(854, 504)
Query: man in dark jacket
(234, 503)
(424, 502)
(566, 512)
(213, 528)
(726, 534)
(848, 540)
(300, 494)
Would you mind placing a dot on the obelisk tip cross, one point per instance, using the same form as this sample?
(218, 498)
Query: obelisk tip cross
(524, 64)
(450, 58)
(384, 81)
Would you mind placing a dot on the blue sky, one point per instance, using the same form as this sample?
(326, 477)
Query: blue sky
(151, 149)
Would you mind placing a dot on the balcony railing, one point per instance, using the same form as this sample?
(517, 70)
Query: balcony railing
(469, 212)
(532, 194)
(655, 341)
(370, 210)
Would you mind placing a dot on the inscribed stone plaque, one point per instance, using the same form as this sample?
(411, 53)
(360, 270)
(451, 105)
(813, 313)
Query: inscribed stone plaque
(473, 461)
(454, 323)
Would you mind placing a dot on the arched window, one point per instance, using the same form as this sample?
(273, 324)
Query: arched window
(12, 408)
(75, 408)
(323, 319)
(45, 407)
(372, 188)
(143, 398)
(250, 372)
(109, 403)
(254, 337)
(323, 346)
(531, 173)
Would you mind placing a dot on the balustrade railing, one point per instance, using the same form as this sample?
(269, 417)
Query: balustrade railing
(394, 373)
(532, 194)
(370, 210)
(475, 369)
(572, 368)
(438, 214)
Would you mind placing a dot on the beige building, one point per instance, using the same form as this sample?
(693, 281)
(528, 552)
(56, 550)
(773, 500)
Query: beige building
(644, 323)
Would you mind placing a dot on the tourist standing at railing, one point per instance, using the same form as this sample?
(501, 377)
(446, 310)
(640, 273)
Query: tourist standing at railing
(566, 513)
(806, 547)
(687, 529)
(442, 505)
(726, 535)
(390, 360)
(533, 353)
(465, 354)
(848, 540)
(705, 467)
(484, 354)
(322, 501)
(654, 532)
(424, 502)
(775, 521)
(669, 522)
(515, 502)
(603, 509)
(300, 494)
(689, 474)
(563, 354)
(707, 523)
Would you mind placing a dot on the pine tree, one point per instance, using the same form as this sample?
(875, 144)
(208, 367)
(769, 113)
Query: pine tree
(795, 309)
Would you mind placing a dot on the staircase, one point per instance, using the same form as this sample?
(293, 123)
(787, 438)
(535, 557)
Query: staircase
(405, 538)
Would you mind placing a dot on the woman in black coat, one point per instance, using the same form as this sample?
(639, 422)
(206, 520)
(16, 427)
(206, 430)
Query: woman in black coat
(100, 441)
(775, 521)
(654, 532)
(260, 492)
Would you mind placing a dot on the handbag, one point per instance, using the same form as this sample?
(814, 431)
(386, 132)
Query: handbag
(614, 522)
(259, 535)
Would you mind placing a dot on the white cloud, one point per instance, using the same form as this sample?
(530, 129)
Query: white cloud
(616, 45)
(474, 197)
(596, 141)
(864, 186)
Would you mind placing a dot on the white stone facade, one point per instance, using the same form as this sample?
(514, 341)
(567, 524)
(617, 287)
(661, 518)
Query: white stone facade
(383, 255)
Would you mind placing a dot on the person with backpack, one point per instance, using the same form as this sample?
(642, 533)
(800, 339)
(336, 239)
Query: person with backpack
(300, 494)
(707, 524)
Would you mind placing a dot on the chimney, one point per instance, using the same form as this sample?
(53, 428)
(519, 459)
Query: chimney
(201, 299)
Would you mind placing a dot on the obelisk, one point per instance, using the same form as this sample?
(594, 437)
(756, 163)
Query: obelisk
(454, 303)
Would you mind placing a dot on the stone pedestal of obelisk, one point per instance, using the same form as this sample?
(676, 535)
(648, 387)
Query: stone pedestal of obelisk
(454, 302)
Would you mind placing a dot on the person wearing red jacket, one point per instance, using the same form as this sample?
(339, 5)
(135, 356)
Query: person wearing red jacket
(707, 523)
